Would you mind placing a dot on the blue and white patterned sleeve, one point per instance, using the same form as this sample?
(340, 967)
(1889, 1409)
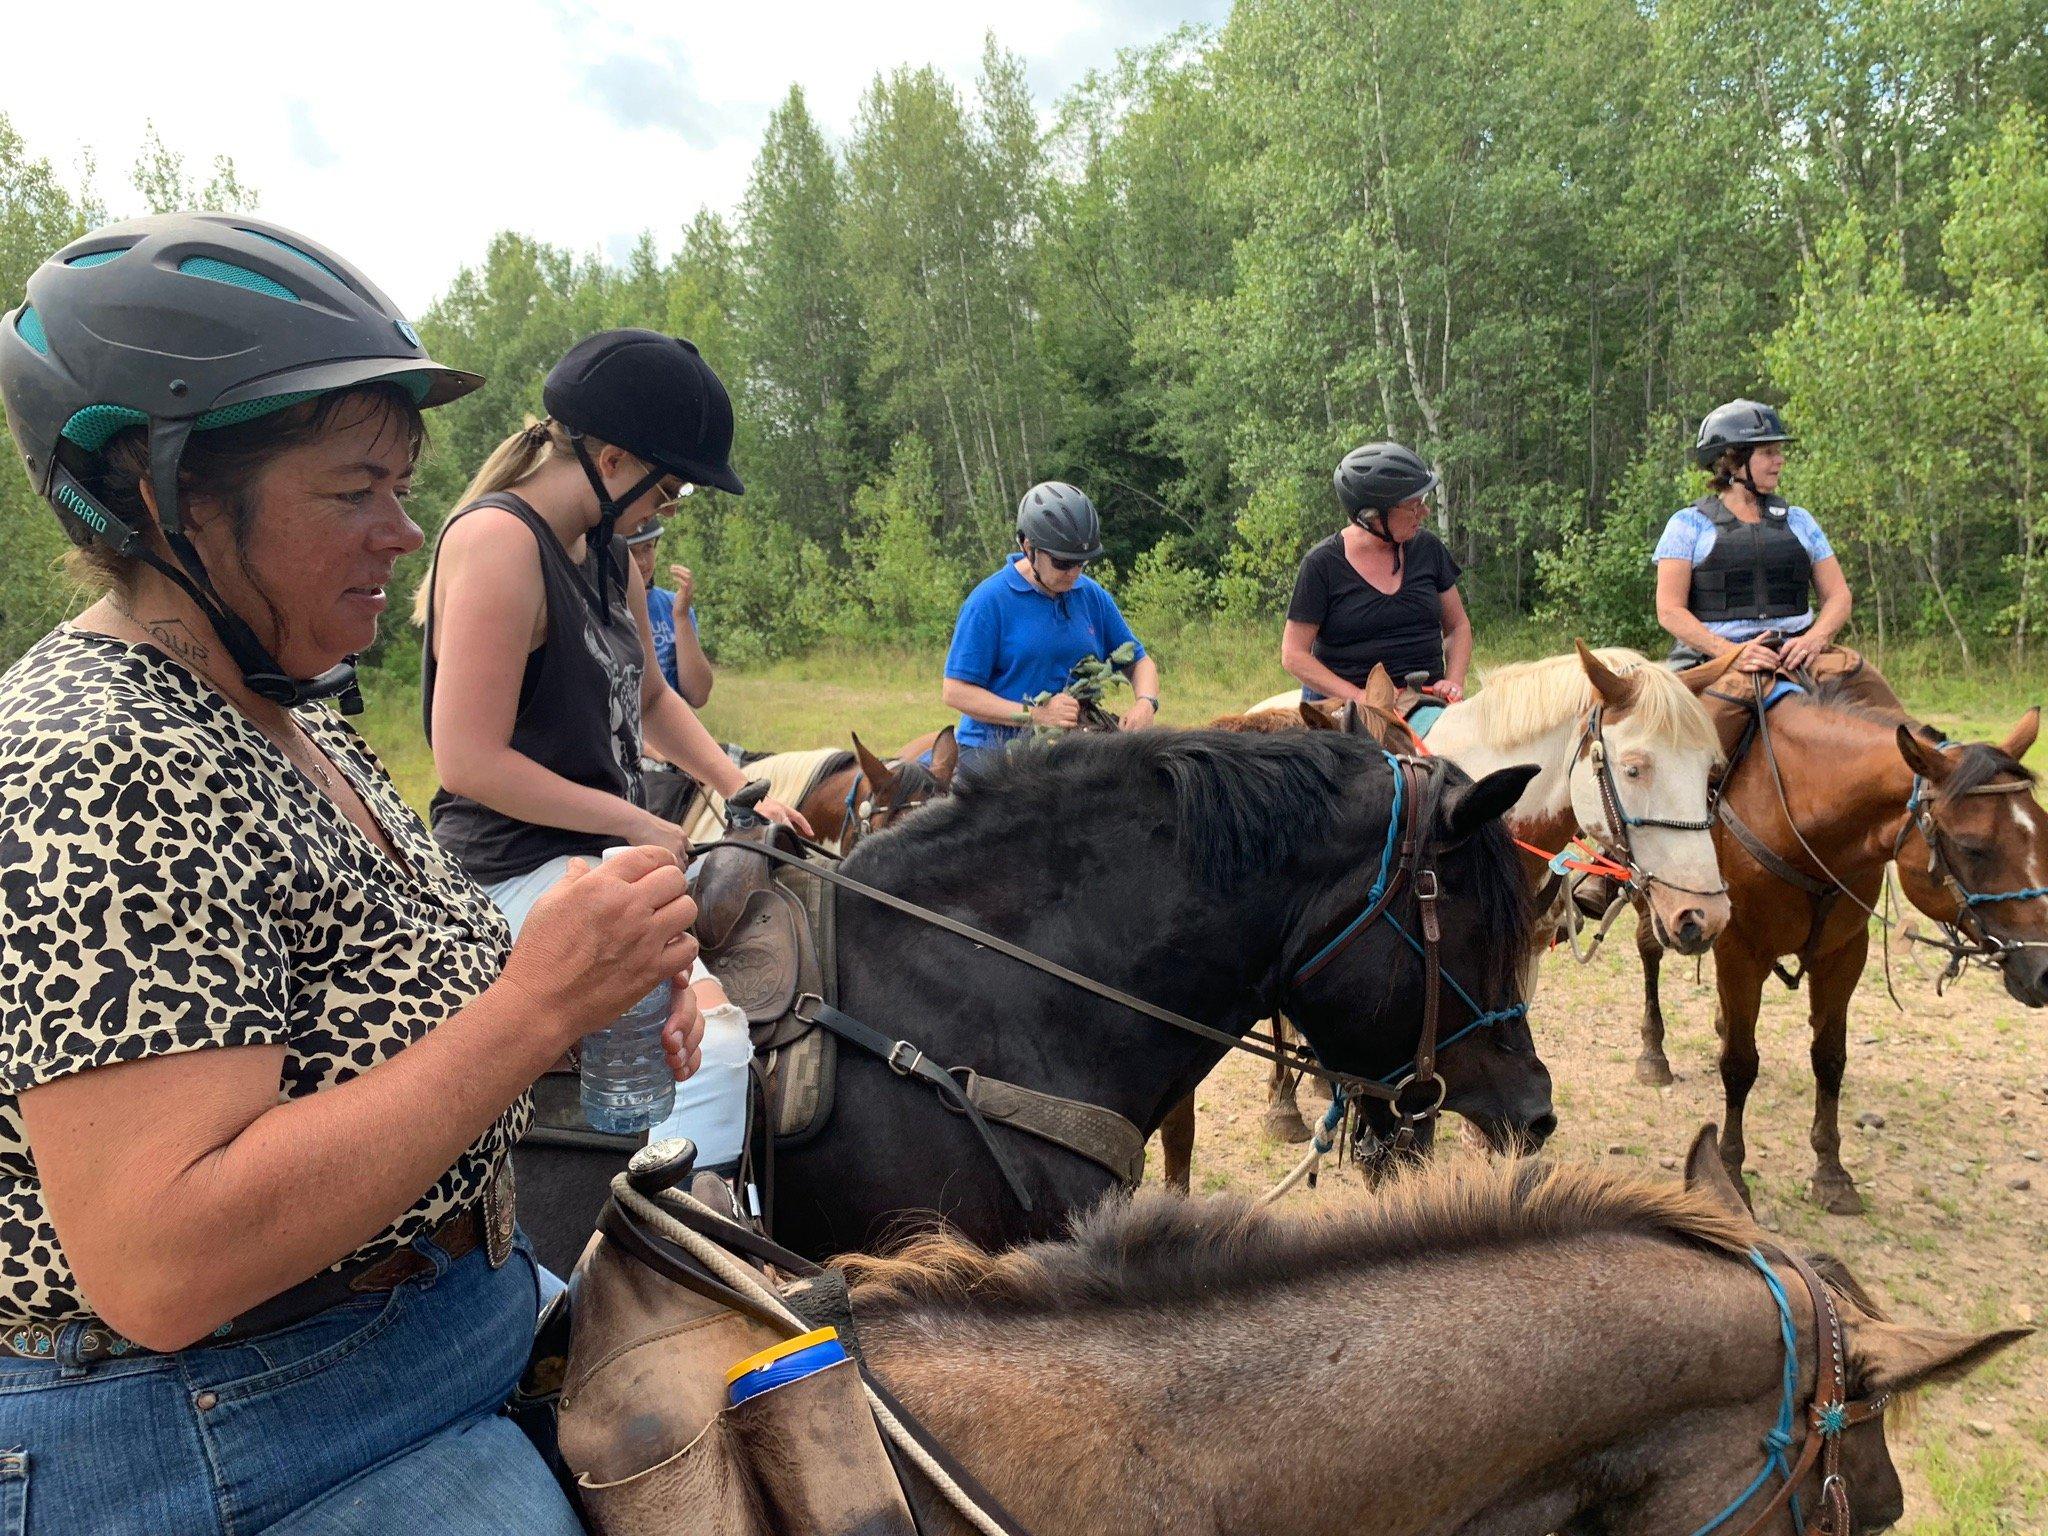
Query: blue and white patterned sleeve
(1681, 537)
(1807, 531)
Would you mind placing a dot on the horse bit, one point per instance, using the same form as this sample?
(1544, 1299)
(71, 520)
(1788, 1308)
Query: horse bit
(1829, 1413)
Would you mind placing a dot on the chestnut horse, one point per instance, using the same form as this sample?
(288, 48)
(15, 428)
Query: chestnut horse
(868, 794)
(1833, 791)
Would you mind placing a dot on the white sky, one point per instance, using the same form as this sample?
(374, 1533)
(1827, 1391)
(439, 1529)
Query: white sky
(404, 135)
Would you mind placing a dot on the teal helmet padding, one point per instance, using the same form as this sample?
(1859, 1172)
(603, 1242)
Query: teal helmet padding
(183, 322)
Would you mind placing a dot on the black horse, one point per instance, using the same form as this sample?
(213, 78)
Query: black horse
(1197, 870)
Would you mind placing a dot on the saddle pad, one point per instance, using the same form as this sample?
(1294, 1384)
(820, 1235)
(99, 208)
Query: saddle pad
(791, 777)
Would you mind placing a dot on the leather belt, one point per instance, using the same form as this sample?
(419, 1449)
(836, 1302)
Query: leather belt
(486, 1223)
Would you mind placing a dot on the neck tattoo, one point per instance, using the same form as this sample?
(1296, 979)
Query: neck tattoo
(175, 638)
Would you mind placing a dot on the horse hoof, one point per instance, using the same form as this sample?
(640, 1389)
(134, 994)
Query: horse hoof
(1284, 1124)
(1837, 1197)
(1653, 1072)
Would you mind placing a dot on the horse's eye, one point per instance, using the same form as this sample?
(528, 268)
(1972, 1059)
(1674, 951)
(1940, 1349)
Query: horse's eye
(1633, 771)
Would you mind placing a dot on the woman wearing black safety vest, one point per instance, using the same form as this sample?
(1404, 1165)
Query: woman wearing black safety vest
(1739, 568)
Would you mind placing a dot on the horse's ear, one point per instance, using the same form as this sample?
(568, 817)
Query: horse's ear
(1313, 717)
(1616, 689)
(1897, 1357)
(1351, 720)
(2015, 746)
(1702, 677)
(872, 768)
(1706, 1173)
(1380, 689)
(945, 758)
(1929, 761)
(1468, 807)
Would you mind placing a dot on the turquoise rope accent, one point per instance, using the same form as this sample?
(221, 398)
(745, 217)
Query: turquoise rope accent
(1379, 886)
(1970, 898)
(1778, 1440)
(1482, 1019)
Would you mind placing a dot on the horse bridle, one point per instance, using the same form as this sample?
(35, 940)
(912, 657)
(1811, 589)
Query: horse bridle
(1829, 1413)
(1966, 938)
(1415, 1098)
(1593, 746)
(1417, 1089)
(864, 816)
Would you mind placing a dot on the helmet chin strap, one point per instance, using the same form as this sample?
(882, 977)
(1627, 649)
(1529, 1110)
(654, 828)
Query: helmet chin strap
(609, 509)
(1375, 523)
(261, 672)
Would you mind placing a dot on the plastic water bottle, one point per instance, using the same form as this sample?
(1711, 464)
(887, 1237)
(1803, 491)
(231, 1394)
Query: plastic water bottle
(626, 1086)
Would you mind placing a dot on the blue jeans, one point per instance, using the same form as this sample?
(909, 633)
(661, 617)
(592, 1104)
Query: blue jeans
(377, 1415)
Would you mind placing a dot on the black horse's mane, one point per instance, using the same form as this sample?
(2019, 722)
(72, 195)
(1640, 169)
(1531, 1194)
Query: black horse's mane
(1243, 805)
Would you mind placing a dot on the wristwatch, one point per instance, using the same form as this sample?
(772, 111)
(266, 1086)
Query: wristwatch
(1148, 698)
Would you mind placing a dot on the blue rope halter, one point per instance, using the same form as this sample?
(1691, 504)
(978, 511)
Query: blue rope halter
(1915, 806)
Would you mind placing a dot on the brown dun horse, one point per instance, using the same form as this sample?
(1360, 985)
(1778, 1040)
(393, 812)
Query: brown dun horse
(1833, 791)
(1517, 1349)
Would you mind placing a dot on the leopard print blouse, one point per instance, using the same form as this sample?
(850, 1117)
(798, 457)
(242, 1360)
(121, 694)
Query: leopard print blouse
(170, 882)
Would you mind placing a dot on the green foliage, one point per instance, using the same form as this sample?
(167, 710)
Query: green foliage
(1536, 242)
(1594, 579)
(909, 587)
(1163, 595)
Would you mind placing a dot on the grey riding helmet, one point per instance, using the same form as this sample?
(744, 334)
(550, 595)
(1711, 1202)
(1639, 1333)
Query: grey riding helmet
(1380, 476)
(1738, 424)
(180, 323)
(1061, 521)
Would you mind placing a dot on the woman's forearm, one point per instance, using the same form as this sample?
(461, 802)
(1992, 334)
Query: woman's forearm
(1304, 666)
(222, 1228)
(693, 667)
(1458, 652)
(978, 703)
(673, 731)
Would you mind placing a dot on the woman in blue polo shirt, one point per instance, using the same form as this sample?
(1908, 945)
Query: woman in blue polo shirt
(1739, 568)
(1021, 631)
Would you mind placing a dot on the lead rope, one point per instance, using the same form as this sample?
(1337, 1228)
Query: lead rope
(747, 1281)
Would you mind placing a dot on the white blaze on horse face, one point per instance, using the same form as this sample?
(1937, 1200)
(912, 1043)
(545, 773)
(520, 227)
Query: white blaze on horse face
(1657, 781)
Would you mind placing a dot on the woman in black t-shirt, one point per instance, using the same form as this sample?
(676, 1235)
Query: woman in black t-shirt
(1383, 589)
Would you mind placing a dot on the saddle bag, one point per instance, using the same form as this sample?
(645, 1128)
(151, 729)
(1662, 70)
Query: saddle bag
(652, 1445)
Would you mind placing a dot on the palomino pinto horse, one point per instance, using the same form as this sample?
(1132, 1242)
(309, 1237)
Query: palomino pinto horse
(1832, 792)
(1209, 874)
(1624, 754)
(1621, 1349)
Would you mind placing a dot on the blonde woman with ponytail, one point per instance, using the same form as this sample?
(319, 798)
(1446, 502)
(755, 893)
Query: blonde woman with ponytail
(540, 681)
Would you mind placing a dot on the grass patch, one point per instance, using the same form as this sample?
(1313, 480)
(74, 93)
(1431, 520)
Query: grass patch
(1989, 1494)
(890, 694)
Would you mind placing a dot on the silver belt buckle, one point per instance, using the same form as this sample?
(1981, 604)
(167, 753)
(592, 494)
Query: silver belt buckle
(500, 1213)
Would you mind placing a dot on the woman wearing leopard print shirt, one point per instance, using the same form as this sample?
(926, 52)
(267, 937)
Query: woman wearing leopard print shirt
(263, 1046)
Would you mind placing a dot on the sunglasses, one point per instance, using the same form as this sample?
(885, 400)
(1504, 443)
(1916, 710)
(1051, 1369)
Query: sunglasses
(1063, 566)
(671, 494)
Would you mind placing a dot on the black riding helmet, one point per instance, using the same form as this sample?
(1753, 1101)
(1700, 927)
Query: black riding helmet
(1061, 521)
(1738, 424)
(653, 396)
(179, 323)
(1373, 480)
